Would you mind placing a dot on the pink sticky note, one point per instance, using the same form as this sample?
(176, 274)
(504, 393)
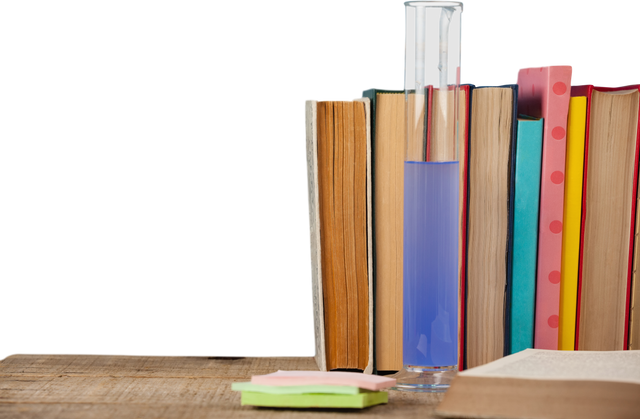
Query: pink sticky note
(332, 378)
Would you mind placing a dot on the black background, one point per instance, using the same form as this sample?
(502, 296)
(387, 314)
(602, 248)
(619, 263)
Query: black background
(196, 250)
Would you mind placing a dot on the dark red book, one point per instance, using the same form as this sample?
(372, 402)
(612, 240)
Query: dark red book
(608, 226)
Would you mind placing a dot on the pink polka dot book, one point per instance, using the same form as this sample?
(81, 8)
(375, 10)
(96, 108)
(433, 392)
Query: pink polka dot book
(605, 317)
(545, 93)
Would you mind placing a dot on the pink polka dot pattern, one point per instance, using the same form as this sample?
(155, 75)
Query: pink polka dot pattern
(554, 277)
(558, 133)
(557, 177)
(559, 88)
(547, 91)
(555, 227)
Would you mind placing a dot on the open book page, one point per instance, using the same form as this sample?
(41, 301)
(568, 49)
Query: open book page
(623, 366)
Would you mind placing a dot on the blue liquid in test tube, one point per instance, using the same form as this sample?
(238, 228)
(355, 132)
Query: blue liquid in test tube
(430, 323)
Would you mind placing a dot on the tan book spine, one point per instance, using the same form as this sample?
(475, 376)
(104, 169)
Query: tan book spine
(360, 180)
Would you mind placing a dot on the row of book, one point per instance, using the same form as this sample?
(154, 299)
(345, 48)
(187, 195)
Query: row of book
(548, 225)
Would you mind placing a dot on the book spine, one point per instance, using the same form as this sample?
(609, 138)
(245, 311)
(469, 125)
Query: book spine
(490, 218)
(582, 91)
(634, 228)
(634, 306)
(314, 230)
(370, 266)
(555, 106)
(465, 101)
(572, 219)
(371, 94)
(428, 126)
(525, 233)
(511, 206)
(631, 272)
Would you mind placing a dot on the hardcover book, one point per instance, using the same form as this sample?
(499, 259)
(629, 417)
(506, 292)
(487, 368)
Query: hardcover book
(605, 275)
(339, 182)
(572, 217)
(634, 310)
(525, 232)
(492, 133)
(545, 93)
(388, 152)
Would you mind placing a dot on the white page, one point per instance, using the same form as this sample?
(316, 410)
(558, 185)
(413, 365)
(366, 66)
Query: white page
(564, 365)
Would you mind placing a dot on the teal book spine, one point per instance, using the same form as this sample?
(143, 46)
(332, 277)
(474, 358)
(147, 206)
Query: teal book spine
(525, 232)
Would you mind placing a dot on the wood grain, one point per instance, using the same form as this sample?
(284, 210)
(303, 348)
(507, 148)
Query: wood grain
(84, 386)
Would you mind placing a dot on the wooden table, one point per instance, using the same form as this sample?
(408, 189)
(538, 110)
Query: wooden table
(82, 386)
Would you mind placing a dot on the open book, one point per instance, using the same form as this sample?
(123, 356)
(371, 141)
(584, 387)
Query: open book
(539, 383)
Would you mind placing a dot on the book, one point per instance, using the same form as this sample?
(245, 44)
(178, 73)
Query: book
(574, 168)
(437, 125)
(545, 93)
(525, 232)
(634, 308)
(339, 182)
(548, 384)
(463, 199)
(388, 153)
(605, 275)
(312, 215)
(492, 133)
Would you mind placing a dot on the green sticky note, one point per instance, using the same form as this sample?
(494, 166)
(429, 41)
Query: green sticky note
(357, 401)
(259, 388)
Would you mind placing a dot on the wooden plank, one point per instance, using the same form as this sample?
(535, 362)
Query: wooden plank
(92, 387)
(126, 364)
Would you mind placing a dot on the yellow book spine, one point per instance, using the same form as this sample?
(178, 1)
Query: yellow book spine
(571, 224)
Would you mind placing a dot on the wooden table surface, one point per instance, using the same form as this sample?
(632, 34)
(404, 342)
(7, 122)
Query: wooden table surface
(83, 386)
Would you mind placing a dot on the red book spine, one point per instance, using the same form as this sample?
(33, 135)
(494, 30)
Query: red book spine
(587, 91)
